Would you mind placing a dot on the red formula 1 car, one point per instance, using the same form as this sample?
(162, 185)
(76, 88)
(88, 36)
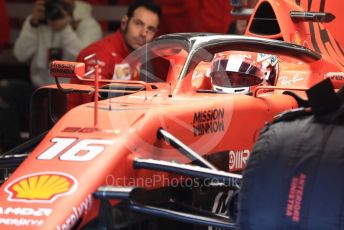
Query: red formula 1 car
(164, 153)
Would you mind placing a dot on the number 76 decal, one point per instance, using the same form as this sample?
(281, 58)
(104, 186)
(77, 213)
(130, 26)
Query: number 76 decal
(90, 148)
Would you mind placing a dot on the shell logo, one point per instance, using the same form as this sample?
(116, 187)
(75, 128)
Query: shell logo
(43, 187)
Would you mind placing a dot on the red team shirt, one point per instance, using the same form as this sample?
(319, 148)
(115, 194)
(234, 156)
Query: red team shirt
(110, 53)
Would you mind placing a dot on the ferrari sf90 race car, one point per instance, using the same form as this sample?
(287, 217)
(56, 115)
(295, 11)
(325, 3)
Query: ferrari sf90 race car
(166, 151)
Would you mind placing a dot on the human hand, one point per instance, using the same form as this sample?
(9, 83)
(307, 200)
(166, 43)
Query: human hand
(38, 13)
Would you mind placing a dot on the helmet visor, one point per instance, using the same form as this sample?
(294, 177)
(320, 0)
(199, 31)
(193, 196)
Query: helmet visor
(235, 71)
(234, 79)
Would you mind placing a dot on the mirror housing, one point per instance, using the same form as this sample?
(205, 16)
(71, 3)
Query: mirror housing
(66, 69)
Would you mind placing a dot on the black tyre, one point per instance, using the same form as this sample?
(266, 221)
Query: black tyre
(294, 178)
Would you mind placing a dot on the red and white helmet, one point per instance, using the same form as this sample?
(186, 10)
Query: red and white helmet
(240, 73)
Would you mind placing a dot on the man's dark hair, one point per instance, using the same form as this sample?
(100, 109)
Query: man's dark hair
(150, 5)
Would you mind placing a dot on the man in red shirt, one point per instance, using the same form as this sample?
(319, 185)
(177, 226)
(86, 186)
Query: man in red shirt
(138, 27)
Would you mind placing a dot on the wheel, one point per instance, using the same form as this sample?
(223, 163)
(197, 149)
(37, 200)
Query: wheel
(294, 178)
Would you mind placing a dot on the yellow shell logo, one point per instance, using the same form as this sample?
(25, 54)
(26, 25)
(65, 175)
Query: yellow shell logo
(43, 187)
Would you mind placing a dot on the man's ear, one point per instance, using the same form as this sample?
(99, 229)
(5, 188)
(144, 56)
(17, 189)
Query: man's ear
(124, 22)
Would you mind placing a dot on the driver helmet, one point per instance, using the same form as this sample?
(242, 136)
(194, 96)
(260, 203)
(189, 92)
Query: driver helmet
(241, 73)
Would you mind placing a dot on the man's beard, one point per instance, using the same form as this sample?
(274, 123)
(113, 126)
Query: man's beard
(125, 34)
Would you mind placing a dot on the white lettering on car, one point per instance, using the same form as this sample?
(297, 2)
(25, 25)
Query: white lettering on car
(90, 148)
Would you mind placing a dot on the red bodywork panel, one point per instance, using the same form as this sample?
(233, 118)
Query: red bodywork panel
(53, 187)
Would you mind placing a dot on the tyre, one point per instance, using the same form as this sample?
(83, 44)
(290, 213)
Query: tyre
(294, 178)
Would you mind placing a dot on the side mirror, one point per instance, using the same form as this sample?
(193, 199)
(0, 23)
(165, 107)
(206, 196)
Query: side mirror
(65, 69)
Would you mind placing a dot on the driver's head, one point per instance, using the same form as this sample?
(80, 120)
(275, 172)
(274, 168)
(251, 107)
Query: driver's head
(239, 73)
(140, 24)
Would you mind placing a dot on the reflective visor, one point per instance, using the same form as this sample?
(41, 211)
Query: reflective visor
(235, 72)
(233, 79)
